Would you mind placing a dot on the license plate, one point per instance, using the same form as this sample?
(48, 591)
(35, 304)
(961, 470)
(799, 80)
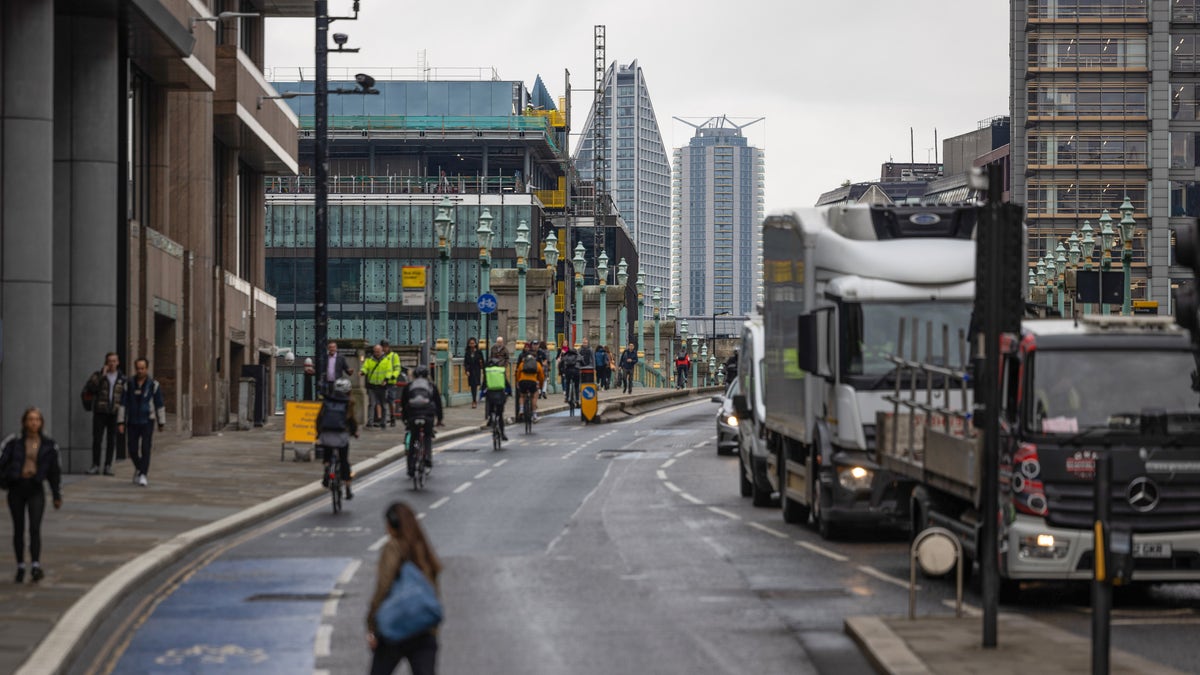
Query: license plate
(1151, 549)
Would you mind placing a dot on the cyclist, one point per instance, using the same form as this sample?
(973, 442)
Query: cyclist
(420, 400)
(336, 423)
(529, 377)
(495, 389)
(682, 365)
(569, 366)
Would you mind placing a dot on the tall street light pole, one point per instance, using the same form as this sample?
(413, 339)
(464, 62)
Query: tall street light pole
(551, 255)
(623, 315)
(522, 246)
(1060, 265)
(1088, 243)
(443, 230)
(602, 274)
(656, 301)
(580, 263)
(641, 312)
(695, 353)
(1127, 228)
(484, 234)
(1108, 239)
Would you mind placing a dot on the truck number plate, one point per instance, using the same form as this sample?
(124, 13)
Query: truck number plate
(1151, 549)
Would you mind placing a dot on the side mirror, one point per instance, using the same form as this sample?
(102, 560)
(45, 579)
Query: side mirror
(813, 349)
(741, 406)
(717, 399)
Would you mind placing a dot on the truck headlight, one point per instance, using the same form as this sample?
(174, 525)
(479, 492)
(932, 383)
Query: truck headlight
(731, 421)
(1042, 547)
(855, 478)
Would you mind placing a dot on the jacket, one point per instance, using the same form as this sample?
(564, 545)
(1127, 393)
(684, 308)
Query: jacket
(337, 439)
(601, 358)
(629, 359)
(587, 359)
(499, 353)
(12, 458)
(340, 367)
(392, 360)
(377, 371)
(142, 404)
(522, 376)
(102, 402)
(473, 365)
(406, 396)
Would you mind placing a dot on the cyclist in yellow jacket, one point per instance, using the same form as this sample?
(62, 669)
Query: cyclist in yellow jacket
(529, 376)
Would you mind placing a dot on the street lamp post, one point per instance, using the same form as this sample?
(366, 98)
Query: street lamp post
(1108, 238)
(656, 301)
(521, 243)
(602, 274)
(683, 333)
(641, 312)
(443, 230)
(580, 263)
(485, 234)
(551, 255)
(1127, 227)
(1073, 255)
(623, 315)
(1088, 244)
(704, 359)
(695, 351)
(712, 365)
(1060, 267)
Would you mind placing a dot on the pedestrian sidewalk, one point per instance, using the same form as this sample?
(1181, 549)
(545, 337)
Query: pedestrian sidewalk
(110, 533)
(950, 646)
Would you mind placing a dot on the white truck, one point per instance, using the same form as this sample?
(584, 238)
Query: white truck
(837, 280)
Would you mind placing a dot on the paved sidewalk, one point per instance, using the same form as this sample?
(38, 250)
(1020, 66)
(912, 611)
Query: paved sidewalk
(200, 489)
(950, 646)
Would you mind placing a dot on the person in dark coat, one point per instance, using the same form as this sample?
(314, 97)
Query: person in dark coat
(629, 359)
(29, 459)
(330, 367)
(473, 365)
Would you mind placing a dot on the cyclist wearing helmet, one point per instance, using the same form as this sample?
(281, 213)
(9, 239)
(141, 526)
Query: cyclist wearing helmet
(336, 422)
(496, 388)
(421, 400)
(529, 376)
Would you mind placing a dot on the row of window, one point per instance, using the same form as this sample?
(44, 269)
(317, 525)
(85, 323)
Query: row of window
(1067, 148)
(1093, 9)
(1085, 51)
(1088, 99)
(359, 280)
(293, 225)
(1050, 198)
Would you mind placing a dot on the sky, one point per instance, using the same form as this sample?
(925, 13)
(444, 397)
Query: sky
(840, 83)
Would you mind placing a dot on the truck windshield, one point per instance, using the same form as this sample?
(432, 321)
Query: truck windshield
(1073, 391)
(870, 332)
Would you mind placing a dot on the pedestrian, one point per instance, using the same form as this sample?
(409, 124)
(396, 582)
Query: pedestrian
(544, 360)
(140, 408)
(333, 366)
(395, 372)
(377, 372)
(629, 359)
(499, 352)
(29, 459)
(602, 366)
(336, 423)
(406, 543)
(103, 392)
(473, 365)
(587, 358)
(568, 365)
(731, 367)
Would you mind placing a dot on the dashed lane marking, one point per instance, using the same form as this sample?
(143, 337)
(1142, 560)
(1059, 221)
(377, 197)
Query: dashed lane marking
(699, 445)
(769, 530)
(348, 573)
(483, 473)
(883, 576)
(822, 551)
(421, 516)
(439, 503)
(379, 543)
(330, 608)
(722, 512)
(500, 463)
(681, 453)
(662, 475)
(667, 464)
(672, 487)
(324, 640)
(691, 498)
(462, 487)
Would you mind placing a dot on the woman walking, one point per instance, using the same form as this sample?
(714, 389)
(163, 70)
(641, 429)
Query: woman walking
(406, 543)
(27, 460)
(473, 364)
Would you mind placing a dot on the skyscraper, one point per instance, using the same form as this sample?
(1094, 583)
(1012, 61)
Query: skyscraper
(718, 213)
(638, 172)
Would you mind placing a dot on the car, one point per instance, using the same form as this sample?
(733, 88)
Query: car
(727, 421)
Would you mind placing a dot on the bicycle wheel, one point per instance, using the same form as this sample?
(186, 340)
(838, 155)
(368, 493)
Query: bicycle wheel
(335, 484)
(495, 435)
(528, 414)
(420, 470)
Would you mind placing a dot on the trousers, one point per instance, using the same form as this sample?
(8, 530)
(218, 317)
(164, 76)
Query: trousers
(139, 438)
(27, 495)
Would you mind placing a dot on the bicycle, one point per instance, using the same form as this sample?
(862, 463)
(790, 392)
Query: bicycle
(495, 421)
(527, 411)
(334, 476)
(418, 453)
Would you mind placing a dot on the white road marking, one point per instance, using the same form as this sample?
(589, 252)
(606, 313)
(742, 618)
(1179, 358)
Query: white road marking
(722, 512)
(348, 573)
(421, 516)
(672, 487)
(329, 609)
(320, 671)
(667, 464)
(586, 499)
(690, 498)
(500, 463)
(683, 452)
(822, 551)
(699, 445)
(968, 610)
(323, 642)
(483, 473)
(439, 503)
(882, 576)
(379, 543)
(769, 530)
(662, 475)
(462, 487)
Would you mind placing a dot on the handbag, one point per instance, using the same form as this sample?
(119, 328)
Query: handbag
(410, 608)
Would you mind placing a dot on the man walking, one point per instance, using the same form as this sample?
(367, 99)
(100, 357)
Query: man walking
(377, 371)
(392, 359)
(629, 359)
(141, 406)
(499, 352)
(333, 366)
(103, 393)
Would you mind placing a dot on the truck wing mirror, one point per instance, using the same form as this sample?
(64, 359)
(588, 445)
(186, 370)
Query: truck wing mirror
(741, 406)
(814, 348)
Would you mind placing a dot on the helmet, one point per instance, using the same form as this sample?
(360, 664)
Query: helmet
(341, 386)
(420, 371)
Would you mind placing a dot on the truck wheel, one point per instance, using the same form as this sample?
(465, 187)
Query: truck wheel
(759, 497)
(745, 486)
(793, 511)
(819, 520)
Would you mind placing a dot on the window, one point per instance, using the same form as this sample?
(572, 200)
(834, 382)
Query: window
(1091, 9)
(1086, 149)
(1087, 52)
(1079, 100)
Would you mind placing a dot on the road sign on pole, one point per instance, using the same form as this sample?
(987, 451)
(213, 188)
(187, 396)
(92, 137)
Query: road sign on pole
(412, 285)
(487, 303)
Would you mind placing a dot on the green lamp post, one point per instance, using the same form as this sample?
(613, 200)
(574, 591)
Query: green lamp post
(1060, 269)
(443, 229)
(695, 351)
(521, 244)
(1127, 229)
(602, 273)
(1073, 256)
(579, 263)
(641, 313)
(1088, 244)
(623, 315)
(655, 301)
(1108, 240)
(485, 234)
(550, 253)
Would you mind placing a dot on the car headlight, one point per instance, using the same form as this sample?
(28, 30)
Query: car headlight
(731, 421)
(855, 478)
(1042, 547)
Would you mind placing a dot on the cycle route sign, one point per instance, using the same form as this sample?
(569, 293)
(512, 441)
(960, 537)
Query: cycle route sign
(589, 399)
(487, 303)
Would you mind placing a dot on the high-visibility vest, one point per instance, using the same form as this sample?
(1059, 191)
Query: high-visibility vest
(377, 372)
(392, 360)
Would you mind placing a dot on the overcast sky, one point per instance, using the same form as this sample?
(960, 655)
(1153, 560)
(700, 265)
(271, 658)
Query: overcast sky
(838, 82)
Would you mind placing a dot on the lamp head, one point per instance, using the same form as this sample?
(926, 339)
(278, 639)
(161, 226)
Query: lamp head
(683, 329)
(340, 39)
(551, 250)
(641, 286)
(1107, 235)
(1032, 278)
(365, 81)
(602, 267)
(657, 297)
(579, 261)
(484, 231)
(1127, 226)
(521, 243)
(441, 225)
(1088, 241)
(622, 272)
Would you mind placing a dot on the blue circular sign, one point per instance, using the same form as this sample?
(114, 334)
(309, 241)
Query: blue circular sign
(487, 303)
(588, 393)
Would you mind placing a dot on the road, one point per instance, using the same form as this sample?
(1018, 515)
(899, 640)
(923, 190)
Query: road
(619, 548)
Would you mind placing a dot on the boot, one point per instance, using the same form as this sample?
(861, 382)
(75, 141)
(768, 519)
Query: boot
(349, 494)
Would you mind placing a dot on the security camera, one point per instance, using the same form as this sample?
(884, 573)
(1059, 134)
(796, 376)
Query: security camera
(340, 38)
(289, 358)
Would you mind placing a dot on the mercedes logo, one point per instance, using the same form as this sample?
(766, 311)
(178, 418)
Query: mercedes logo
(1142, 494)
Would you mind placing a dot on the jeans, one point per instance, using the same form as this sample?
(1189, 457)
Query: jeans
(139, 437)
(104, 427)
(377, 395)
(421, 652)
(27, 494)
(628, 382)
(389, 412)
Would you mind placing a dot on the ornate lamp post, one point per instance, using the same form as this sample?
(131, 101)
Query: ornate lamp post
(551, 255)
(622, 319)
(704, 359)
(602, 273)
(1051, 282)
(1088, 244)
(695, 351)
(683, 333)
(1032, 284)
(1060, 268)
(1127, 227)
(641, 312)
(1108, 240)
(580, 263)
(656, 300)
(1073, 255)
(521, 243)
(485, 234)
(712, 365)
(443, 229)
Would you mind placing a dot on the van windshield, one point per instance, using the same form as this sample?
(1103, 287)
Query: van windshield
(1072, 391)
(870, 331)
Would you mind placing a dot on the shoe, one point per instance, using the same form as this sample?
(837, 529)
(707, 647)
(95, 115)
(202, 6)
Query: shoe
(20, 574)
(36, 573)
(136, 475)
(142, 480)
(94, 470)
(429, 464)
(473, 405)
(325, 478)
(504, 437)
(392, 423)
(536, 417)
(349, 494)
(108, 470)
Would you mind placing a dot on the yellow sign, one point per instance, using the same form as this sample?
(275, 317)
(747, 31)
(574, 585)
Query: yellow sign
(589, 398)
(412, 276)
(300, 421)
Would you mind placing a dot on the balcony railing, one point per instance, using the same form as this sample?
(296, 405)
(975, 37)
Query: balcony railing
(397, 185)
(432, 122)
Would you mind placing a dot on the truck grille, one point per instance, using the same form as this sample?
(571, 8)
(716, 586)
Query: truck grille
(1178, 508)
(1181, 561)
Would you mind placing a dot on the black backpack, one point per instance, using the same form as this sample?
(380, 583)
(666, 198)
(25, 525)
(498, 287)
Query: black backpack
(570, 361)
(529, 365)
(420, 397)
(333, 415)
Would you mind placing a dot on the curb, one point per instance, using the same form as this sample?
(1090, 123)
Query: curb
(885, 650)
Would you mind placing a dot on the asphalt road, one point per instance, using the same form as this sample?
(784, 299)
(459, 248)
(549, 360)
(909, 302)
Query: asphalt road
(618, 548)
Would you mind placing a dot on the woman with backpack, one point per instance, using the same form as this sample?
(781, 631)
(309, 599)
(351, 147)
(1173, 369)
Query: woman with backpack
(603, 366)
(336, 423)
(473, 365)
(406, 543)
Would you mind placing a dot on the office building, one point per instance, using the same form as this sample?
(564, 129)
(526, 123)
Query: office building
(718, 201)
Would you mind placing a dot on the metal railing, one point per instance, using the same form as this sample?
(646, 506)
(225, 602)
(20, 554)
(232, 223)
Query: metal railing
(394, 185)
(432, 122)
